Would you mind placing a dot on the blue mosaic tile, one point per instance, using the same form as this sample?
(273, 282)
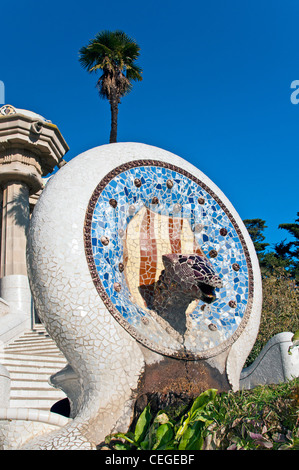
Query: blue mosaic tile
(205, 220)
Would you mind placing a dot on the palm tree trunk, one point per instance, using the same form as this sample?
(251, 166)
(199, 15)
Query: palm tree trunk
(114, 114)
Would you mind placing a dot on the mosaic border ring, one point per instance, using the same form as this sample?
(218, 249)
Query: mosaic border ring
(114, 237)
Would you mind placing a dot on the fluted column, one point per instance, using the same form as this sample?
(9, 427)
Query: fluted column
(15, 220)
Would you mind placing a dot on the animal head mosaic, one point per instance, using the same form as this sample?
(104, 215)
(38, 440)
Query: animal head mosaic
(168, 259)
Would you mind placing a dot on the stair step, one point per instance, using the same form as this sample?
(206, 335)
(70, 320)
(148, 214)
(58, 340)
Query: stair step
(17, 358)
(35, 393)
(34, 347)
(49, 362)
(34, 376)
(32, 382)
(31, 359)
(21, 371)
(33, 341)
(37, 337)
(36, 351)
(50, 368)
(39, 404)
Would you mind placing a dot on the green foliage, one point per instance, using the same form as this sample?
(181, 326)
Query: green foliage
(162, 433)
(263, 418)
(285, 254)
(280, 309)
(291, 249)
(280, 277)
(255, 229)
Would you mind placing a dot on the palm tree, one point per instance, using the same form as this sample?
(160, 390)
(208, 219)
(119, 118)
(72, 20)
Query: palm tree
(115, 54)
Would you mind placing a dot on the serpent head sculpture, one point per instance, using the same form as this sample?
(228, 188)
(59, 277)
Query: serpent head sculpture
(185, 278)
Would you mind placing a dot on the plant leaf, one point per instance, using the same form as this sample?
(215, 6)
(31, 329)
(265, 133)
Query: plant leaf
(278, 437)
(256, 436)
(192, 438)
(203, 399)
(260, 440)
(161, 418)
(128, 437)
(144, 445)
(163, 435)
(142, 424)
(182, 428)
(121, 446)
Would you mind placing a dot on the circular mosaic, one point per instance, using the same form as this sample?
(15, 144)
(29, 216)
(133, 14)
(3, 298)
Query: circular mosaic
(7, 109)
(168, 260)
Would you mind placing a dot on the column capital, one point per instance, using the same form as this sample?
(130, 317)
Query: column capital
(28, 131)
(20, 165)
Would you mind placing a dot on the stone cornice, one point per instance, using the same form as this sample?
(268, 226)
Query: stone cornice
(40, 137)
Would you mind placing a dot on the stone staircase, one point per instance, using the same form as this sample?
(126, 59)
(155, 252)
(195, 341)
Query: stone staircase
(31, 359)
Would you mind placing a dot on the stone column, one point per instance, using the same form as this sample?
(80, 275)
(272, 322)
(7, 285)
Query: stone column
(30, 148)
(15, 220)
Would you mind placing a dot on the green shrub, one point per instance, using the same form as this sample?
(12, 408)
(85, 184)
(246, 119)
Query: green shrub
(161, 433)
(280, 310)
(263, 418)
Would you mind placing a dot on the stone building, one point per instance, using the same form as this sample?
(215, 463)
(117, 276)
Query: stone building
(30, 149)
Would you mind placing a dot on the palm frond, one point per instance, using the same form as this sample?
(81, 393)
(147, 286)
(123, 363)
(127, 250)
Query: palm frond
(115, 54)
(134, 72)
(120, 48)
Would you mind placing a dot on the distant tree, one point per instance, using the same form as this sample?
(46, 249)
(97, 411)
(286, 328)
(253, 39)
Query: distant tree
(290, 250)
(255, 229)
(115, 54)
(280, 276)
(273, 260)
(285, 254)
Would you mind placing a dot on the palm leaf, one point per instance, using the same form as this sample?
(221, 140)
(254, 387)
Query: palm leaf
(115, 54)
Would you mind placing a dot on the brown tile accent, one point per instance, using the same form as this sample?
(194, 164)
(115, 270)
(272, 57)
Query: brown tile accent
(148, 250)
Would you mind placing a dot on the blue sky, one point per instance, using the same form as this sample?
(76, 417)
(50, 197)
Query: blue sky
(215, 90)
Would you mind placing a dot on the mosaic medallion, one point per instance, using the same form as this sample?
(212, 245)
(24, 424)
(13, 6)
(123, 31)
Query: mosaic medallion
(168, 260)
(7, 109)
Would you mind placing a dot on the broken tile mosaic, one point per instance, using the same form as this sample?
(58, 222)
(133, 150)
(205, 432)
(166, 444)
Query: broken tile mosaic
(149, 211)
